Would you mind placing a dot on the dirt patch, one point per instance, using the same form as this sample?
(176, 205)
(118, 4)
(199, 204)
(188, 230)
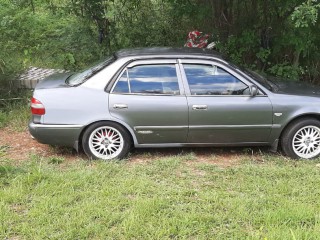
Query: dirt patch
(19, 146)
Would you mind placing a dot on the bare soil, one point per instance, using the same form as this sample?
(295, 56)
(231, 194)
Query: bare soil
(19, 146)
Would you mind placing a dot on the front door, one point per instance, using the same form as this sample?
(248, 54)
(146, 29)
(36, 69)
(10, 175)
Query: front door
(221, 109)
(148, 97)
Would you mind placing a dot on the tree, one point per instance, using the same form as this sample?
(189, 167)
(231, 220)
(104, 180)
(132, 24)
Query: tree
(278, 37)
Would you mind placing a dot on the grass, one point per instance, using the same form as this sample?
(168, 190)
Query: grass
(15, 114)
(168, 198)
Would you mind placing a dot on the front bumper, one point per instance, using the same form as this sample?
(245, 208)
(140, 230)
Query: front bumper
(60, 135)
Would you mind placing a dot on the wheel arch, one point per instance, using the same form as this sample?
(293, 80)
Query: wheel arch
(299, 118)
(287, 137)
(125, 126)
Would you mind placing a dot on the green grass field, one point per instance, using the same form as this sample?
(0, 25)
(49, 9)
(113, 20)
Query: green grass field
(169, 197)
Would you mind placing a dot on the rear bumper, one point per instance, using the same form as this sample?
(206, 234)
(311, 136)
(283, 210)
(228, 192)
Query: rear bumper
(61, 135)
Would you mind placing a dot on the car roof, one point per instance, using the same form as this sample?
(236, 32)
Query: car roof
(167, 51)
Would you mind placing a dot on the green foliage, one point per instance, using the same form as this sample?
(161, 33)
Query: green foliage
(286, 71)
(146, 24)
(306, 14)
(279, 37)
(263, 54)
(44, 39)
(242, 48)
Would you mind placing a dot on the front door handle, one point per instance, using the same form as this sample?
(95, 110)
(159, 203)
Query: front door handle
(120, 106)
(199, 107)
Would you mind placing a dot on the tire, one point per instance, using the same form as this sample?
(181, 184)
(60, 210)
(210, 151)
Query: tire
(301, 139)
(106, 140)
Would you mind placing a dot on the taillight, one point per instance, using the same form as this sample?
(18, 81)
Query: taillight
(37, 107)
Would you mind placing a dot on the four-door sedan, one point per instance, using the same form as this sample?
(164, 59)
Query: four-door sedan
(166, 97)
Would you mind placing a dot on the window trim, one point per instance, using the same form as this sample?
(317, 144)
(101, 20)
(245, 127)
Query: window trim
(152, 62)
(118, 78)
(217, 64)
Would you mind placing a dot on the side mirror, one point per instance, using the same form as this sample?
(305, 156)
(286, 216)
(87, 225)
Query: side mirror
(253, 90)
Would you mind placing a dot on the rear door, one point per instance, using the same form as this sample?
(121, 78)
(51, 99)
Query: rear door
(149, 96)
(221, 110)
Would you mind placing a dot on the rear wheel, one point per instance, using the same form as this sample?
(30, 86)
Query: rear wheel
(302, 139)
(106, 140)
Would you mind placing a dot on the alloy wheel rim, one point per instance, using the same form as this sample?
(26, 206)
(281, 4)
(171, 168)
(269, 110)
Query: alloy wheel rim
(306, 142)
(106, 142)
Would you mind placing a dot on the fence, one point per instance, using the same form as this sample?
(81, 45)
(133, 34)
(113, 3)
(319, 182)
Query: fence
(33, 75)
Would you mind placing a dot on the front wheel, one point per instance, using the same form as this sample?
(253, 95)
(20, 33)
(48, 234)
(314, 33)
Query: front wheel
(106, 140)
(302, 139)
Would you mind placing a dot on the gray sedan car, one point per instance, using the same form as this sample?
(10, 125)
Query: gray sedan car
(167, 97)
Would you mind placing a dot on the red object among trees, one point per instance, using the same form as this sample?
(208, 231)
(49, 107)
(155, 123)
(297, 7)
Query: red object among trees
(197, 39)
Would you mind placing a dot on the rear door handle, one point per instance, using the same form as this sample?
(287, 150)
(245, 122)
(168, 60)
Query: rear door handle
(120, 106)
(199, 107)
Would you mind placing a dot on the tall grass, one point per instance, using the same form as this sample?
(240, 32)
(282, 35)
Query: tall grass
(15, 113)
(168, 198)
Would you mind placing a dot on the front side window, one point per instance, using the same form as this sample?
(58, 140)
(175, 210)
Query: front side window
(149, 79)
(213, 80)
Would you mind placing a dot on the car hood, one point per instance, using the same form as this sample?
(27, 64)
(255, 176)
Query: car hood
(297, 88)
(57, 80)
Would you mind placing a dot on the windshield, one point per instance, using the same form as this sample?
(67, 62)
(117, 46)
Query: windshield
(256, 76)
(264, 81)
(80, 77)
(259, 78)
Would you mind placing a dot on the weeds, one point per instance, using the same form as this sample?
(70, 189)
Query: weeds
(15, 111)
(56, 160)
(3, 150)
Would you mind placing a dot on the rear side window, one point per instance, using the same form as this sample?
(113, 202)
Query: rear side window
(149, 79)
(122, 84)
(213, 80)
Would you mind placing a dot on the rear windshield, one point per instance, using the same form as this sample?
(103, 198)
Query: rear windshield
(80, 77)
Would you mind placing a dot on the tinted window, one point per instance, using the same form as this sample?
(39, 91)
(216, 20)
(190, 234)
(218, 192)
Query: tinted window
(122, 84)
(211, 80)
(154, 79)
